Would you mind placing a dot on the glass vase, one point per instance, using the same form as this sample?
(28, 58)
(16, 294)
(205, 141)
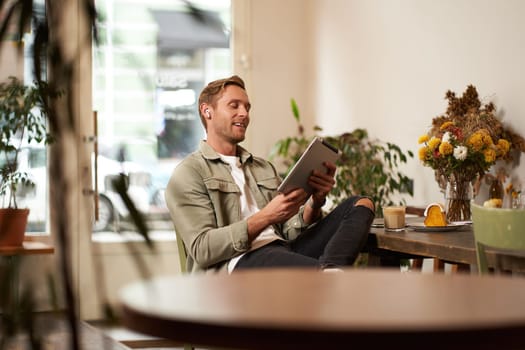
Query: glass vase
(517, 201)
(458, 195)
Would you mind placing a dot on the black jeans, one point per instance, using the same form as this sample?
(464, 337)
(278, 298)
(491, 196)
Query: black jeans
(334, 241)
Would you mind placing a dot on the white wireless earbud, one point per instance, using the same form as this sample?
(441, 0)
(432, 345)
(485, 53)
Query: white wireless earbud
(208, 113)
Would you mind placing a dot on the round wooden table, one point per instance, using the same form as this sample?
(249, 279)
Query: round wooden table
(307, 309)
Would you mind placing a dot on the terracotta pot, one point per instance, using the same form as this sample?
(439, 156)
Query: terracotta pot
(13, 223)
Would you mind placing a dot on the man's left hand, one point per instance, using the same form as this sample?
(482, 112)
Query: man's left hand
(322, 183)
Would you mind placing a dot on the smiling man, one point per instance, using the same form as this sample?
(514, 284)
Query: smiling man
(225, 205)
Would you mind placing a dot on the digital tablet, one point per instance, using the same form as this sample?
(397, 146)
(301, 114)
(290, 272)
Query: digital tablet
(317, 152)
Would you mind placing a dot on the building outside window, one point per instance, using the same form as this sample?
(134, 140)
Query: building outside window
(153, 59)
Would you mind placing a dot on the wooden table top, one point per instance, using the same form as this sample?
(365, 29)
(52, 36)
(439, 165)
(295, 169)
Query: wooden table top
(290, 308)
(454, 246)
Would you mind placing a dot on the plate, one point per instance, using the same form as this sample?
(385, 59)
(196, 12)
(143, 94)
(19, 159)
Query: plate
(455, 226)
(378, 223)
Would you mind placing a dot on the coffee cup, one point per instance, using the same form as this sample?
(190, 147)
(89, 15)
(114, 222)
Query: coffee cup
(394, 217)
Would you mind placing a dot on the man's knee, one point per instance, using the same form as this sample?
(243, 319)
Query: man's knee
(366, 202)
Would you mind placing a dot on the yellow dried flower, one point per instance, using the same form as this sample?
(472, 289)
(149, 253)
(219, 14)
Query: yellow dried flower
(446, 125)
(476, 141)
(503, 146)
(423, 153)
(422, 138)
(446, 148)
(487, 139)
(490, 155)
(433, 143)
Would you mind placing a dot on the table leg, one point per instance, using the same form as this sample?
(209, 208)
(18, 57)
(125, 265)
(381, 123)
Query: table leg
(11, 275)
(378, 260)
(439, 265)
(461, 268)
(13, 267)
(417, 264)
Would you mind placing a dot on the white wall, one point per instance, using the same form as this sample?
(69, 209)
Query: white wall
(385, 65)
(281, 68)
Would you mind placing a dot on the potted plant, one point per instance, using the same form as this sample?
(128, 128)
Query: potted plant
(367, 166)
(22, 121)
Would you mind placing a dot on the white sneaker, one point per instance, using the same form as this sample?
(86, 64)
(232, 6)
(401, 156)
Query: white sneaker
(333, 270)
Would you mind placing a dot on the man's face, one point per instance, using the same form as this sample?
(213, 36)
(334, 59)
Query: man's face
(230, 116)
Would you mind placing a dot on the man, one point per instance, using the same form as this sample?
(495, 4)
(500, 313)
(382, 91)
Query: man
(225, 205)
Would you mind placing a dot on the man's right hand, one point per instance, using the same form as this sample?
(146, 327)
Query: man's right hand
(278, 210)
(284, 206)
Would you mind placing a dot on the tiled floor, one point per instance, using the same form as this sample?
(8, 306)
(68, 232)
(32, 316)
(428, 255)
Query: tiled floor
(135, 340)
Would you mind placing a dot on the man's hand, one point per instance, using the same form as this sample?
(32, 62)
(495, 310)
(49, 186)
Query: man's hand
(322, 183)
(278, 210)
(284, 206)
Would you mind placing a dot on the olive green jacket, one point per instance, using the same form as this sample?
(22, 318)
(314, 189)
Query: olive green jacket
(203, 200)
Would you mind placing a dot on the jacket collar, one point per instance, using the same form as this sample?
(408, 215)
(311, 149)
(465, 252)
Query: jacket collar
(209, 153)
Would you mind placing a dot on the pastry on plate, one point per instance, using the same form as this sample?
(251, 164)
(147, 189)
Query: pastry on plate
(435, 215)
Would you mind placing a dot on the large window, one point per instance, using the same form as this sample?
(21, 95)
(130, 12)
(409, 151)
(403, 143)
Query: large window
(153, 58)
(33, 157)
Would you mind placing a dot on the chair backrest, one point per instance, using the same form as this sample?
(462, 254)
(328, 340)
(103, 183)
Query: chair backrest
(182, 254)
(182, 260)
(498, 228)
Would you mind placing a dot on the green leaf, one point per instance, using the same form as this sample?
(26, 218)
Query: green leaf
(295, 110)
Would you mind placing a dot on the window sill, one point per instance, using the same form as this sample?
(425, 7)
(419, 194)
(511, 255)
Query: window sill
(118, 243)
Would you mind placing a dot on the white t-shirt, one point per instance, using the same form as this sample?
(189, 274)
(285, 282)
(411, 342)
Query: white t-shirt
(248, 207)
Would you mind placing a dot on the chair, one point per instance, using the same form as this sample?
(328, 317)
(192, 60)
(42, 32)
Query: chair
(183, 254)
(501, 230)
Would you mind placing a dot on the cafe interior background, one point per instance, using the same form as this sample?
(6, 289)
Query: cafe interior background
(382, 65)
